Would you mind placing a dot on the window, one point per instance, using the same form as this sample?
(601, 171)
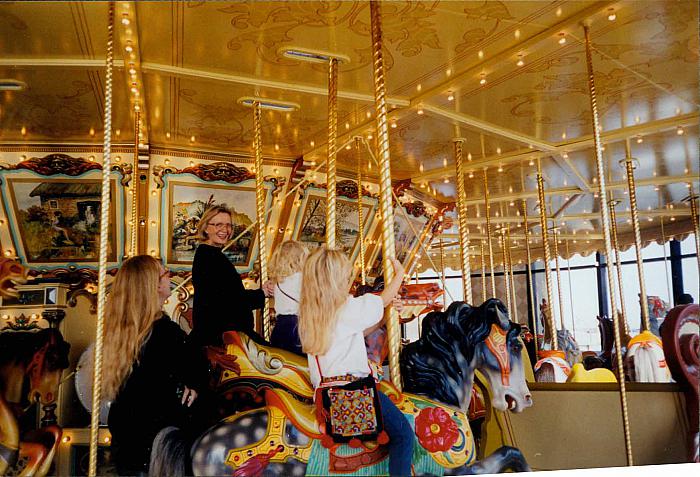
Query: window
(690, 277)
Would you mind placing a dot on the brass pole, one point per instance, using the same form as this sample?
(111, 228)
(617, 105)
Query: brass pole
(385, 190)
(506, 276)
(487, 213)
(483, 271)
(104, 237)
(533, 305)
(134, 187)
(512, 276)
(629, 169)
(571, 291)
(463, 226)
(547, 255)
(618, 264)
(442, 261)
(608, 244)
(260, 209)
(331, 177)
(360, 219)
(555, 239)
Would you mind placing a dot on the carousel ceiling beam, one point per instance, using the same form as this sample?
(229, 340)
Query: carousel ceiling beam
(577, 144)
(266, 83)
(520, 236)
(58, 62)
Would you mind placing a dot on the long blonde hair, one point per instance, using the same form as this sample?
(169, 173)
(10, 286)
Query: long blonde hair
(326, 280)
(132, 307)
(287, 260)
(210, 213)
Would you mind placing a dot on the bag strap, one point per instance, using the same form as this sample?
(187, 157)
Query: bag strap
(287, 295)
(318, 365)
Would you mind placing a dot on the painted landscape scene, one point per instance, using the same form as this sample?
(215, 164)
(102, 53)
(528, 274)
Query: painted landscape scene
(312, 231)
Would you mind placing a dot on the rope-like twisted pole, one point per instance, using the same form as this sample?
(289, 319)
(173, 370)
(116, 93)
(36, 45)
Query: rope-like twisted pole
(483, 271)
(506, 275)
(547, 256)
(618, 264)
(608, 244)
(487, 213)
(260, 211)
(331, 176)
(693, 199)
(560, 293)
(533, 305)
(104, 237)
(442, 261)
(632, 190)
(360, 218)
(385, 189)
(463, 226)
(134, 187)
(512, 276)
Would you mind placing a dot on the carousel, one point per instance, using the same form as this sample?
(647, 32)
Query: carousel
(533, 165)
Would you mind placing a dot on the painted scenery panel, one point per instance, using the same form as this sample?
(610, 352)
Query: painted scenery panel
(312, 229)
(407, 229)
(188, 202)
(59, 220)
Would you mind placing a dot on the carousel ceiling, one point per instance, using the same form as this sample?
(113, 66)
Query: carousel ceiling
(508, 77)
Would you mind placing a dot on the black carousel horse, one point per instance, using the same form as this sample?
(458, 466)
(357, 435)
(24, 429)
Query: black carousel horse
(282, 438)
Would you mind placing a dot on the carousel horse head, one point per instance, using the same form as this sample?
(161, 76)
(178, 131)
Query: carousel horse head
(460, 340)
(12, 273)
(41, 356)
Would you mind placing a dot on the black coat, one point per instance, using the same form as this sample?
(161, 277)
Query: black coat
(149, 399)
(221, 302)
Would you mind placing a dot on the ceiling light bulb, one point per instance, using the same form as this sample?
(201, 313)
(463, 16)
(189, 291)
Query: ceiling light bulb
(679, 130)
(128, 47)
(481, 54)
(393, 125)
(450, 96)
(125, 19)
(420, 167)
(167, 134)
(612, 16)
(498, 150)
(192, 138)
(312, 143)
(420, 112)
(639, 139)
(469, 156)
(446, 180)
(482, 81)
(520, 61)
(562, 38)
(23, 131)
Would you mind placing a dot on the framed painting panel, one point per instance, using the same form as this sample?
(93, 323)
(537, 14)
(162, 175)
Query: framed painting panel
(56, 220)
(187, 197)
(310, 225)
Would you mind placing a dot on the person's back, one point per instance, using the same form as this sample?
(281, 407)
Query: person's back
(286, 266)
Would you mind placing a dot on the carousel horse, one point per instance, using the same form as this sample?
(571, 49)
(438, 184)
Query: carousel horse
(554, 366)
(644, 360)
(38, 357)
(12, 273)
(681, 342)
(284, 438)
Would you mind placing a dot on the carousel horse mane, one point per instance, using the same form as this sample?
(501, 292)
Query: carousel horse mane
(20, 348)
(439, 362)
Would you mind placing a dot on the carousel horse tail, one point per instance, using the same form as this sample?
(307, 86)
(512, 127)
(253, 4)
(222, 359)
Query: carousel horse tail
(169, 454)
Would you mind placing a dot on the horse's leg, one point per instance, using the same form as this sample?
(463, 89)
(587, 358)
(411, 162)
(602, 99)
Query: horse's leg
(505, 458)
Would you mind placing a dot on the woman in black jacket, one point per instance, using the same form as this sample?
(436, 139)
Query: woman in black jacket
(221, 302)
(153, 375)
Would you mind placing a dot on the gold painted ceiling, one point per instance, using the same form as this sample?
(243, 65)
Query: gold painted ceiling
(509, 77)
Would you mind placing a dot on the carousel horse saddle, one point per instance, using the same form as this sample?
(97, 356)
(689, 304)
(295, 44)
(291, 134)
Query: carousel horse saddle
(579, 374)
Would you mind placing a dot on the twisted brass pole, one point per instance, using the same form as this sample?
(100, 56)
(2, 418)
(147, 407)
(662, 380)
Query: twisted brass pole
(463, 226)
(632, 190)
(360, 218)
(512, 276)
(547, 256)
(260, 209)
(442, 261)
(385, 190)
(608, 245)
(331, 176)
(104, 238)
(555, 239)
(134, 186)
(487, 213)
(533, 305)
(506, 276)
(483, 271)
(693, 199)
(618, 264)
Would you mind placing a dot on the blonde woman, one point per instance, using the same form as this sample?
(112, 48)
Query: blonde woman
(221, 302)
(286, 266)
(153, 375)
(332, 325)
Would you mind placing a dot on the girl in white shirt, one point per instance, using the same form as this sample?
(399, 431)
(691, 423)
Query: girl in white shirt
(332, 325)
(285, 273)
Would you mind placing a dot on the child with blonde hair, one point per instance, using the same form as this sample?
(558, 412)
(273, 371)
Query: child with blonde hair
(332, 326)
(286, 266)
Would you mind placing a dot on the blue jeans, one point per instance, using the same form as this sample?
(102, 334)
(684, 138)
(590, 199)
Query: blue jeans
(285, 334)
(401, 437)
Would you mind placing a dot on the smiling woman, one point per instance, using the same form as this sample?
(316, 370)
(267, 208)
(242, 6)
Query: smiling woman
(221, 303)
